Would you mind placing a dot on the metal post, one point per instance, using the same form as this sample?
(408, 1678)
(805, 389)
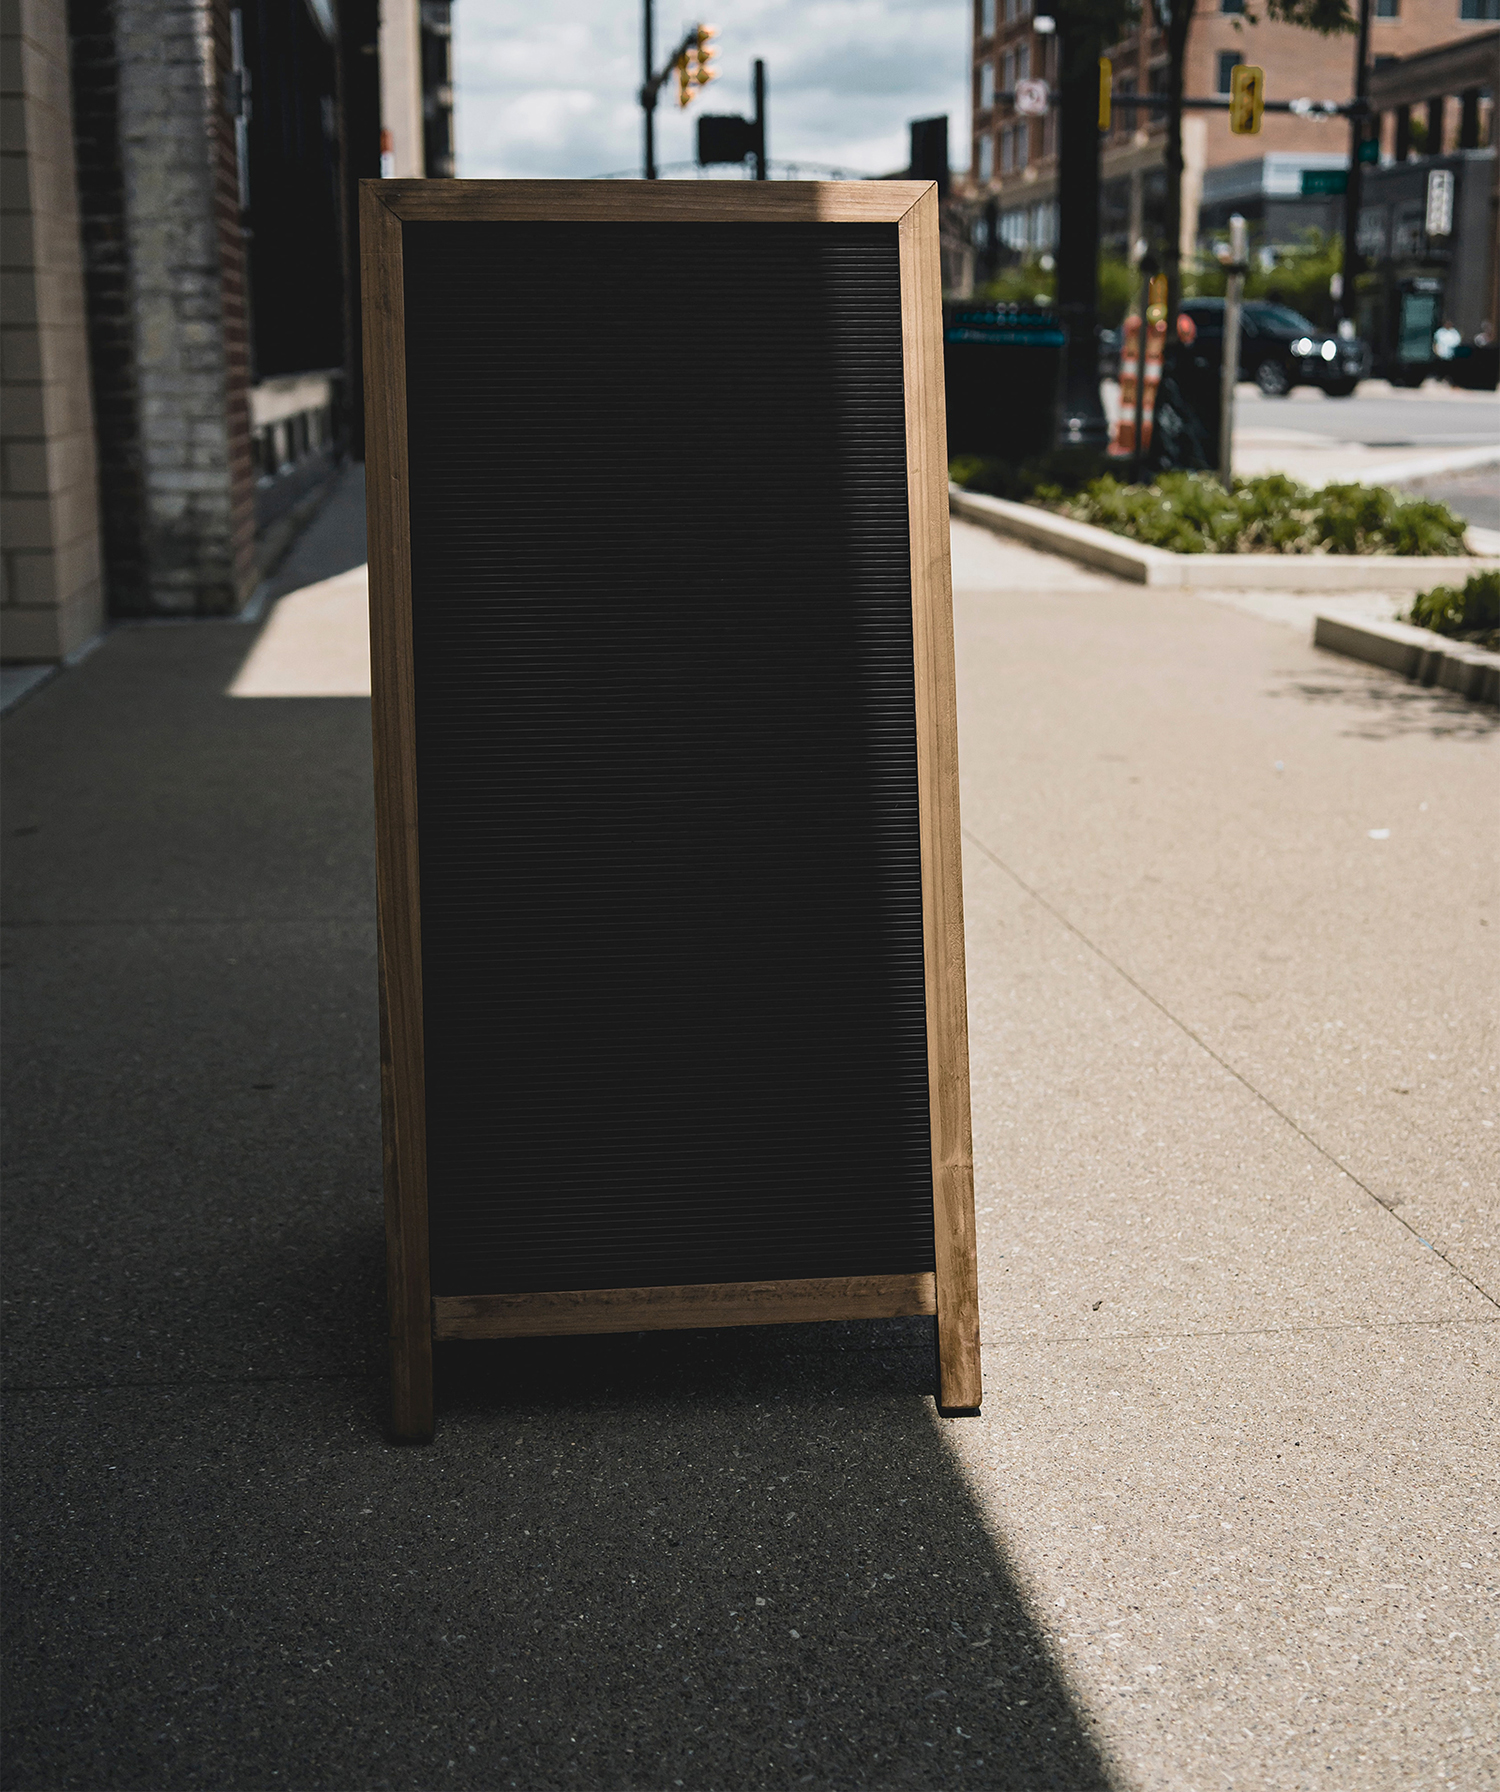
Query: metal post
(1138, 446)
(1229, 367)
(1082, 423)
(760, 119)
(1352, 192)
(648, 98)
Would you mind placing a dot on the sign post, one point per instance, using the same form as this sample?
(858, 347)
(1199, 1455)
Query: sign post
(1229, 369)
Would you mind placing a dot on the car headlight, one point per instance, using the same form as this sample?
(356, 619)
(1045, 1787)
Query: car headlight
(1330, 349)
(1302, 346)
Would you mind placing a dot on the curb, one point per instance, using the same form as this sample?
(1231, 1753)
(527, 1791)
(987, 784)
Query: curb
(1417, 653)
(1431, 465)
(1111, 553)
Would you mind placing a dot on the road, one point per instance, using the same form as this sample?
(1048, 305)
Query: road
(1380, 417)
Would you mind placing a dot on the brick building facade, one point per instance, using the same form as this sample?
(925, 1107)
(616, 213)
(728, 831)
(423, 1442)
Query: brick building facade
(51, 598)
(1014, 166)
(178, 309)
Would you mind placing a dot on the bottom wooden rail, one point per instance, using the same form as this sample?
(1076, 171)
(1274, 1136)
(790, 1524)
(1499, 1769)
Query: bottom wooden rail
(554, 1314)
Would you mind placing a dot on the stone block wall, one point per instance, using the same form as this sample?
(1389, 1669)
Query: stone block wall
(165, 265)
(51, 599)
(185, 303)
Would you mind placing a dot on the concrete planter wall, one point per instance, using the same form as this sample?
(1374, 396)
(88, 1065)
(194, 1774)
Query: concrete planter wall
(1111, 553)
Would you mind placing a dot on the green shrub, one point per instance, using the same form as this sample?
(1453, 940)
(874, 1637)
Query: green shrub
(1298, 277)
(1029, 283)
(1191, 513)
(1052, 477)
(1119, 290)
(1469, 612)
(1370, 519)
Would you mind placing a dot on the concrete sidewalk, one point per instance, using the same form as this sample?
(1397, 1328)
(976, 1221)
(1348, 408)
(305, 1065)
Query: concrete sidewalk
(1229, 1518)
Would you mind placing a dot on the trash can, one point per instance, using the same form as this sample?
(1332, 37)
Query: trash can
(1001, 369)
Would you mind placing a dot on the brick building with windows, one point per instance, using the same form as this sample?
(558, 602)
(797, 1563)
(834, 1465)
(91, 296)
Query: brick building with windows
(1014, 163)
(180, 344)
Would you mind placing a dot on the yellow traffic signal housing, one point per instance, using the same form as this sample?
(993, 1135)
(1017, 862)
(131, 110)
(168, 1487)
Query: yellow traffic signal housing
(705, 54)
(1247, 99)
(1106, 85)
(684, 80)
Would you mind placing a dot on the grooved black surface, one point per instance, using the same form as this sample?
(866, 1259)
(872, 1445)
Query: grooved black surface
(666, 755)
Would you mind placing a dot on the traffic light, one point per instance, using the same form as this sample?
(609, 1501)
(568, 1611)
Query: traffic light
(704, 55)
(684, 80)
(1247, 98)
(1106, 83)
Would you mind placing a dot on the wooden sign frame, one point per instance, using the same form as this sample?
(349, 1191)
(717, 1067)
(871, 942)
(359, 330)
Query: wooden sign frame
(950, 1291)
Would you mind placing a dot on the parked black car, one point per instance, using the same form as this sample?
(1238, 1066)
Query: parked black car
(1280, 348)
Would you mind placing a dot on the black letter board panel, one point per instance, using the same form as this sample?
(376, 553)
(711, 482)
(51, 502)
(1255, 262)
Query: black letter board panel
(661, 719)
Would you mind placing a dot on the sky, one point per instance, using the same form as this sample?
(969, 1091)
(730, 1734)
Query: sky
(544, 90)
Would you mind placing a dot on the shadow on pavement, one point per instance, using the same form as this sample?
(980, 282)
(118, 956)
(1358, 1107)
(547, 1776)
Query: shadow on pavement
(694, 1561)
(1383, 705)
(698, 1560)
(703, 1560)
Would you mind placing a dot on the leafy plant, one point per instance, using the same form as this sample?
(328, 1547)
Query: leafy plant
(1468, 612)
(1028, 283)
(1299, 277)
(1191, 513)
(1031, 283)
(1050, 477)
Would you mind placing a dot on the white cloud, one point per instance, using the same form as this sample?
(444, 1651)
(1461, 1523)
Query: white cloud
(542, 93)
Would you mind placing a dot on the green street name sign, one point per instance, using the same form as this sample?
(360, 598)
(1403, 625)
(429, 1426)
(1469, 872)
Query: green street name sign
(1324, 180)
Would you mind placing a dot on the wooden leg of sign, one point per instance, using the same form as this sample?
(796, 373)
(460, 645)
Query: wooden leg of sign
(960, 1387)
(408, 1289)
(411, 1380)
(937, 799)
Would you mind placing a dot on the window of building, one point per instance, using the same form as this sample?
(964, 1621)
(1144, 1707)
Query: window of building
(1125, 117)
(1007, 151)
(1009, 82)
(1025, 9)
(1010, 12)
(1023, 63)
(1049, 134)
(986, 18)
(1229, 60)
(1479, 9)
(986, 157)
(1023, 146)
(986, 85)
(1387, 9)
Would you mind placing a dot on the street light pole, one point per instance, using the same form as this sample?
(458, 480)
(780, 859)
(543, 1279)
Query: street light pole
(760, 119)
(1353, 190)
(648, 96)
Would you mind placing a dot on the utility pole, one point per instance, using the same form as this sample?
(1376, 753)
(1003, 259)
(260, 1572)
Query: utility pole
(760, 120)
(1082, 423)
(690, 60)
(648, 96)
(1353, 191)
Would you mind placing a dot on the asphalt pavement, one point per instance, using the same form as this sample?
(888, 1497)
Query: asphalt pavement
(1229, 1517)
(1379, 416)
